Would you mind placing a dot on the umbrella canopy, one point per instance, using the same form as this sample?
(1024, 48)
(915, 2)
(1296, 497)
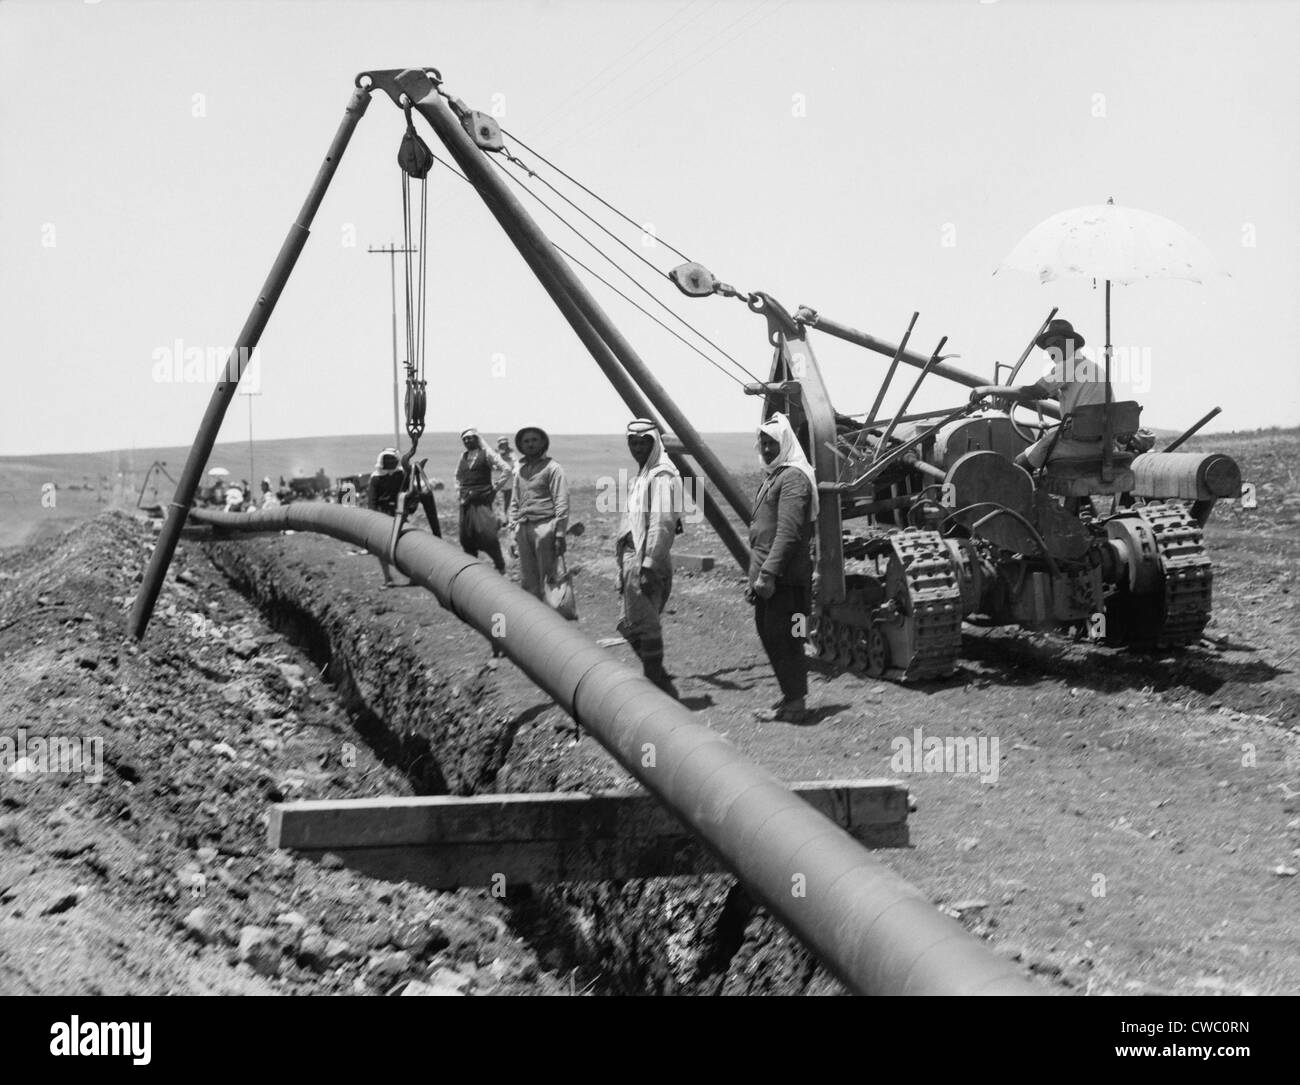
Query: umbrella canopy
(1118, 244)
(218, 472)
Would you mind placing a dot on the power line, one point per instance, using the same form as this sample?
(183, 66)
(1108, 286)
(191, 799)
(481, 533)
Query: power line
(541, 124)
(655, 85)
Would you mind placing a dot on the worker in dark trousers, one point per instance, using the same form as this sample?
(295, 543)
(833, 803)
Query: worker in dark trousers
(780, 568)
(479, 526)
(643, 550)
(388, 481)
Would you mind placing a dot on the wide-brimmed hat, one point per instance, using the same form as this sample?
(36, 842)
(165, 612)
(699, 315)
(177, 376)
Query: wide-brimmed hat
(519, 437)
(1058, 329)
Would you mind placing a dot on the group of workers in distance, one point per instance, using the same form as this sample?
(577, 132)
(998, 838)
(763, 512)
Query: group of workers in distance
(535, 507)
(238, 498)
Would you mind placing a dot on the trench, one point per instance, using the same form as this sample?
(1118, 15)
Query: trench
(446, 734)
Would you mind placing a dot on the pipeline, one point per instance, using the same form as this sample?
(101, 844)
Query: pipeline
(872, 930)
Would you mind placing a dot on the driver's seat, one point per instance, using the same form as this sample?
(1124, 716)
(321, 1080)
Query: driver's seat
(1080, 476)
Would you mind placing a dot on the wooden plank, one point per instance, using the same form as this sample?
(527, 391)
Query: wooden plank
(445, 842)
(456, 866)
(326, 824)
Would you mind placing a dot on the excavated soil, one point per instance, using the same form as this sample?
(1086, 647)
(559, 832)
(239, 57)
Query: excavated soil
(1142, 836)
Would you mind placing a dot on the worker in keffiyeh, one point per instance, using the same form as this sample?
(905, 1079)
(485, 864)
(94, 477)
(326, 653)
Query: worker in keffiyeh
(645, 572)
(780, 569)
(479, 525)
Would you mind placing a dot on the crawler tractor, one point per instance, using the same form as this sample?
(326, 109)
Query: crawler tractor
(935, 524)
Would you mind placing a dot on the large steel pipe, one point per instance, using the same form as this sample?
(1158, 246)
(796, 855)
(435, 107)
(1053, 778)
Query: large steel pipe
(872, 929)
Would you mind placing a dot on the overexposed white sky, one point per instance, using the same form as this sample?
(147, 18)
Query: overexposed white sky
(153, 155)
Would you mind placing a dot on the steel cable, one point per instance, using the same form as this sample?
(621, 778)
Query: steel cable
(640, 286)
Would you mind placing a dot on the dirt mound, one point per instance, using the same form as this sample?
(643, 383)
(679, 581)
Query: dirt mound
(146, 870)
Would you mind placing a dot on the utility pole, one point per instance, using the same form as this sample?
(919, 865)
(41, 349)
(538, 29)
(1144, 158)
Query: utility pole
(252, 475)
(392, 252)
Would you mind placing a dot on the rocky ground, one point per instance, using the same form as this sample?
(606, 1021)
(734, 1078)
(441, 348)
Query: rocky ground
(1143, 834)
(158, 879)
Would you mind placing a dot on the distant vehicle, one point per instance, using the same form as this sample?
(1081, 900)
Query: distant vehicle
(315, 488)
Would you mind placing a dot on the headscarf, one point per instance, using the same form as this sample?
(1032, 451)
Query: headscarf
(471, 432)
(790, 455)
(379, 461)
(639, 497)
(644, 427)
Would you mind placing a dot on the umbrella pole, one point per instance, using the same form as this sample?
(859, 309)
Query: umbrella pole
(1107, 437)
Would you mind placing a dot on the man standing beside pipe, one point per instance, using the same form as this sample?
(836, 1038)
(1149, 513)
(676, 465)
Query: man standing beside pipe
(539, 511)
(780, 569)
(478, 522)
(645, 571)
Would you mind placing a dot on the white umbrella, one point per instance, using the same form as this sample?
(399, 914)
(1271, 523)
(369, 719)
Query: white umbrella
(1117, 244)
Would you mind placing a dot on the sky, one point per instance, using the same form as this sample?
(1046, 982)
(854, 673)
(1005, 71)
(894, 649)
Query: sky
(866, 159)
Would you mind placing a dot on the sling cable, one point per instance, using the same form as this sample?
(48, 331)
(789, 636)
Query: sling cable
(415, 159)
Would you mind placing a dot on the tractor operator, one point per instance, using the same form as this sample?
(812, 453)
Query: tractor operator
(1075, 380)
